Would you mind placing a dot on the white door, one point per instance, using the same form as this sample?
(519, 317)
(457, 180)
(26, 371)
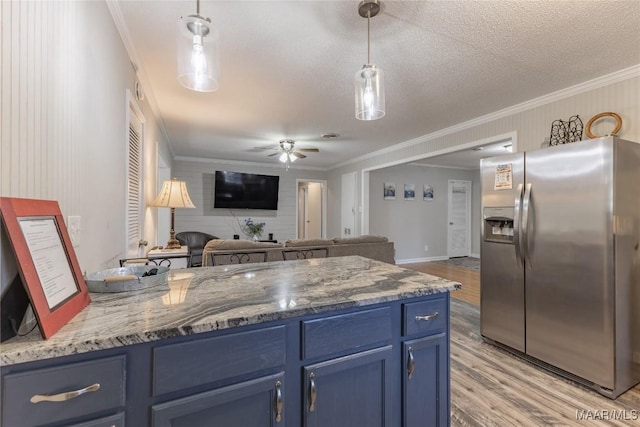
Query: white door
(348, 205)
(311, 210)
(313, 229)
(459, 223)
(135, 182)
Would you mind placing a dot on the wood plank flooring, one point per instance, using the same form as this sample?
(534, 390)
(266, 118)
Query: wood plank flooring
(470, 279)
(491, 387)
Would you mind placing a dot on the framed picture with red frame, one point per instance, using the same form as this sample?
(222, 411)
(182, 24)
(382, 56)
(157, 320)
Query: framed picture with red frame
(46, 261)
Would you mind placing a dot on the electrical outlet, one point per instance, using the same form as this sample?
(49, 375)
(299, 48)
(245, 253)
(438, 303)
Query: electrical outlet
(74, 225)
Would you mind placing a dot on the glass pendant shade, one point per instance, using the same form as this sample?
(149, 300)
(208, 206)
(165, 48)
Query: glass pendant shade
(369, 84)
(284, 157)
(198, 54)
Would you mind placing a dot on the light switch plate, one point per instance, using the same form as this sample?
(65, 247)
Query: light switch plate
(74, 225)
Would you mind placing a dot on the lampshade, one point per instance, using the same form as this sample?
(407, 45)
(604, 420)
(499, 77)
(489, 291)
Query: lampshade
(198, 53)
(369, 81)
(173, 194)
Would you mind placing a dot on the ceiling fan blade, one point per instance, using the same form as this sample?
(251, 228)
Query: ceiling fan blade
(274, 154)
(309, 150)
(266, 148)
(298, 155)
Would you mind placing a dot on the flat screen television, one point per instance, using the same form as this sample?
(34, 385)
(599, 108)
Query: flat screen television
(236, 190)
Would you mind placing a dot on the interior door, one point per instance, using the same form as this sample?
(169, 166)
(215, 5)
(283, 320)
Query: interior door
(459, 224)
(313, 211)
(348, 205)
(135, 181)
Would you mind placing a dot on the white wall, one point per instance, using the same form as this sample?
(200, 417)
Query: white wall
(412, 224)
(65, 75)
(199, 176)
(531, 121)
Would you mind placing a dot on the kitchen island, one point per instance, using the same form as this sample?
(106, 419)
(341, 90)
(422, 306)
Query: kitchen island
(342, 341)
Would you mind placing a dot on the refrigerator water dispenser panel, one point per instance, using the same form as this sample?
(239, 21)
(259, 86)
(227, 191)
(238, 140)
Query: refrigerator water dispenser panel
(498, 225)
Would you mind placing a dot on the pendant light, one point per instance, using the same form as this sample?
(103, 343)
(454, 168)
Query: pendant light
(198, 53)
(369, 81)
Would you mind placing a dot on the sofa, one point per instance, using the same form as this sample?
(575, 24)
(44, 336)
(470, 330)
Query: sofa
(222, 251)
(196, 241)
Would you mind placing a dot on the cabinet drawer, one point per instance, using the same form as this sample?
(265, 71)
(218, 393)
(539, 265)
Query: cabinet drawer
(425, 316)
(112, 421)
(190, 364)
(18, 390)
(345, 332)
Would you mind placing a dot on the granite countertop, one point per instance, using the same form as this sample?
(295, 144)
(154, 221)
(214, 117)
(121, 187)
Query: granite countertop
(210, 298)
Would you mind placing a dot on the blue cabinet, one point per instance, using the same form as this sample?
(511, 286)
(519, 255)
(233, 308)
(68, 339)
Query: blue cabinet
(353, 390)
(385, 365)
(425, 382)
(254, 403)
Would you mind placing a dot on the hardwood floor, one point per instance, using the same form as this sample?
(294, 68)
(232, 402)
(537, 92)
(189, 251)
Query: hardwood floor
(470, 279)
(491, 387)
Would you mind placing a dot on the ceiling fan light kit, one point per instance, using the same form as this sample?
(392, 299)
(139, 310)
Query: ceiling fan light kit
(369, 81)
(198, 53)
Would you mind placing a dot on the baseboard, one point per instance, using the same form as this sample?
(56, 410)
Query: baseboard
(475, 255)
(416, 260)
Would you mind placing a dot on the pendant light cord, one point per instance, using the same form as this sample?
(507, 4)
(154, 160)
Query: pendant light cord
(368, 36)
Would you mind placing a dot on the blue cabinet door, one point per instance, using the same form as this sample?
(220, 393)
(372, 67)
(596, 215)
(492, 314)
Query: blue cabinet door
(254, 403)
(349, 391)
(425, 382)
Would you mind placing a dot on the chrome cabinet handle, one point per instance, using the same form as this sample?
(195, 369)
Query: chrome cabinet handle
(278, 401)
(68, 395)
(411, 364)
(312, 392)
(428, 317)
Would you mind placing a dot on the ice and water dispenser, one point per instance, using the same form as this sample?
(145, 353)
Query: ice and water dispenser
(498, 225)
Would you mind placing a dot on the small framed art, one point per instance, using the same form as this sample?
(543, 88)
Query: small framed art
(427, 192)
(46, 261)
(389, 191)
(409, 191)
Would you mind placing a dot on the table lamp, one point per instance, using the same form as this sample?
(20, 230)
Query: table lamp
(173, 194)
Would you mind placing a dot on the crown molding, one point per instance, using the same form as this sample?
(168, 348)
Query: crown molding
(598, 82)
(279, 165)
(123, 30)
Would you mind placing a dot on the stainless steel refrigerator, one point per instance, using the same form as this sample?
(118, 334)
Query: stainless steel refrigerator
(560, 259)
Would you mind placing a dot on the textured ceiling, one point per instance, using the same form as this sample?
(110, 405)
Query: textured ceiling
(287, 68)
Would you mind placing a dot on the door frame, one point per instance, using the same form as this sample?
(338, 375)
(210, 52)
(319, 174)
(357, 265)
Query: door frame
(469, 188)
(323, 203)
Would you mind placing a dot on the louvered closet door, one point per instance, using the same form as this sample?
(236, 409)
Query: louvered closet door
(134, 184)
(459, 223)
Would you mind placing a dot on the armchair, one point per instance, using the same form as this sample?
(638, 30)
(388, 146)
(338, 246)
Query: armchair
(196, 240)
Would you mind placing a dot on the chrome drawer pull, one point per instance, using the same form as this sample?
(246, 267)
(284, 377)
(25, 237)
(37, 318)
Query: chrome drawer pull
(428, 317)
(312, 392)
(278, 401)
(68, 395)
(411, 364)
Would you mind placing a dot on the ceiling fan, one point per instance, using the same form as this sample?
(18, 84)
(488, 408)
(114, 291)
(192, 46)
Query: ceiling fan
(287, 151)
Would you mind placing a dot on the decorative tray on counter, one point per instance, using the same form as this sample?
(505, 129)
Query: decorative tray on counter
(123, 279)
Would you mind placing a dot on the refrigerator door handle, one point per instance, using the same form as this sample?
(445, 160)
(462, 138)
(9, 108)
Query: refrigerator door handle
(516, 225)
(526, 204)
